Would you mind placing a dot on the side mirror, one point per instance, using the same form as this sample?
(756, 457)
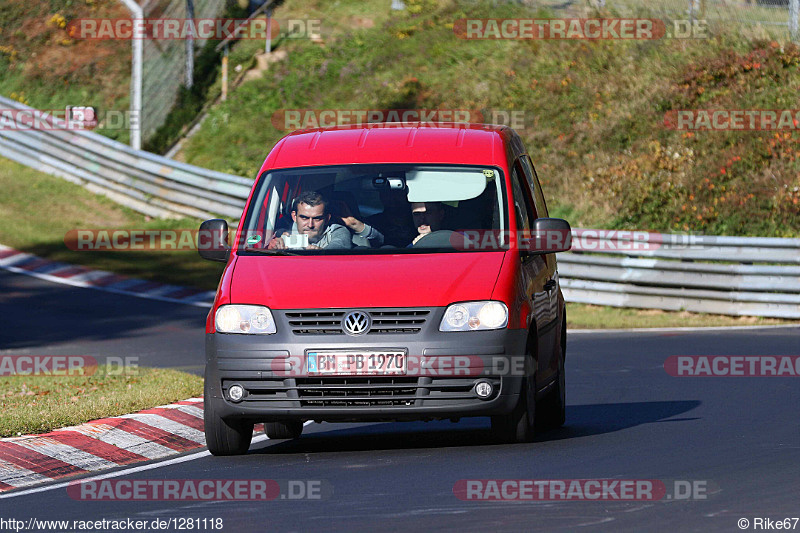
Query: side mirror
(550, 235)
(212, 240)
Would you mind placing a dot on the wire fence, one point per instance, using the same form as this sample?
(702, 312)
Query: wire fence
(770, 17)
(164, 61)
(757, 18)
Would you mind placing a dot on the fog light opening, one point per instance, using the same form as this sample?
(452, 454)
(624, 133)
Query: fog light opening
(484, 390)
(236, 393)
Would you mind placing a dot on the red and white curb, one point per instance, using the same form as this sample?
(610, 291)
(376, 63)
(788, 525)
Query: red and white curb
(109, 442)
(102, 444)
(78, 276)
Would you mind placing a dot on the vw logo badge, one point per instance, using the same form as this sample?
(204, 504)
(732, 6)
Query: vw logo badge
(356, 323)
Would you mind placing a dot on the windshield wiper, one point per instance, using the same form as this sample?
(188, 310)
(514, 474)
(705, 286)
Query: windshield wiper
(266, 251)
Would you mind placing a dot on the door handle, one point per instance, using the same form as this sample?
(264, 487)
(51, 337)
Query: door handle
(550, 285)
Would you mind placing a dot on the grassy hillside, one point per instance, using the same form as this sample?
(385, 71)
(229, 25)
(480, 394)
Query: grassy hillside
(594, 110)
(41, 66)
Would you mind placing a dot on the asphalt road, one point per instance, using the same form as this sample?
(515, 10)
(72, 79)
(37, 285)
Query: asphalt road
(737, 439)
(43, 318)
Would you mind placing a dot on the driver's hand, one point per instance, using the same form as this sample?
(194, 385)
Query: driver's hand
(276, 244)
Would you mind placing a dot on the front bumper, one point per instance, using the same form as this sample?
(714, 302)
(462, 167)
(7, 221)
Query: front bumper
(443, 371)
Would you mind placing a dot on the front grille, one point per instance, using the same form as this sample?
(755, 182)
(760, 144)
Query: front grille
(398, 321)
(357, 391)
(384, 321)
(316, 322)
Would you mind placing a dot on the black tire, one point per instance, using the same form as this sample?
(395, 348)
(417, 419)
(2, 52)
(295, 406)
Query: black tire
(518, 425)
(224, 437)
(551, 410)
(289, 429)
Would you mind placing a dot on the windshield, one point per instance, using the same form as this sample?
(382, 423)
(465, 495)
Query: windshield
(364, 209)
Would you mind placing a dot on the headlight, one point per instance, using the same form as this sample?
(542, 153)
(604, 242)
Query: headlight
(252, 319)
(471, 316)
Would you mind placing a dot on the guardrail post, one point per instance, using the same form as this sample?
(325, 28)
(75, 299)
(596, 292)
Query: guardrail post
(190, 46)
(225, 73)
(136, 78)
(794, 13)
(268, 46)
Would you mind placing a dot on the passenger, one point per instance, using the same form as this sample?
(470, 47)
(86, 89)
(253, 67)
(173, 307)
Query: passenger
(311, 217)
(428, 217)
(365, 235)
(395, 220)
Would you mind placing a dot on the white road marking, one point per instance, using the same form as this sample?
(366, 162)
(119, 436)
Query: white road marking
(86, 277)
(75, 281)
(14, 259)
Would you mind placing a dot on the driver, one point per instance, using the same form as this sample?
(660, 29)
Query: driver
(311, 217)
(428, 217)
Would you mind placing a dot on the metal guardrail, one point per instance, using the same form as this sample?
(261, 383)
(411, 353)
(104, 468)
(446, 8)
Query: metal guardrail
(148, 183)
(664, 271)
(707, 274)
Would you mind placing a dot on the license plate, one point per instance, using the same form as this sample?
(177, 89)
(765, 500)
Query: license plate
(356, 363)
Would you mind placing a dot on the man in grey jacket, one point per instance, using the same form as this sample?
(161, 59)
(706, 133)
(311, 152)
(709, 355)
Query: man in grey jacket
(311, 217)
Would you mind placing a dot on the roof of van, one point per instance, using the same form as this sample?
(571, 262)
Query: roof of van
(453, 143)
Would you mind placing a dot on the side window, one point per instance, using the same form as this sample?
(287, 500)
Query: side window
(522, 206)
(533, 180)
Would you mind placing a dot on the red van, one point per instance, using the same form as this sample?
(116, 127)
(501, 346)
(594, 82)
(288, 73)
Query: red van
(388, 272)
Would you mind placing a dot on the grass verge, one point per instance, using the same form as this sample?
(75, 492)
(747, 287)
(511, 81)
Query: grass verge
(38, 404)
(581, 316)
(38, 210)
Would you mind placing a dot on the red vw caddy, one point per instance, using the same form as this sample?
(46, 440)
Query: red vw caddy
(388, 272)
